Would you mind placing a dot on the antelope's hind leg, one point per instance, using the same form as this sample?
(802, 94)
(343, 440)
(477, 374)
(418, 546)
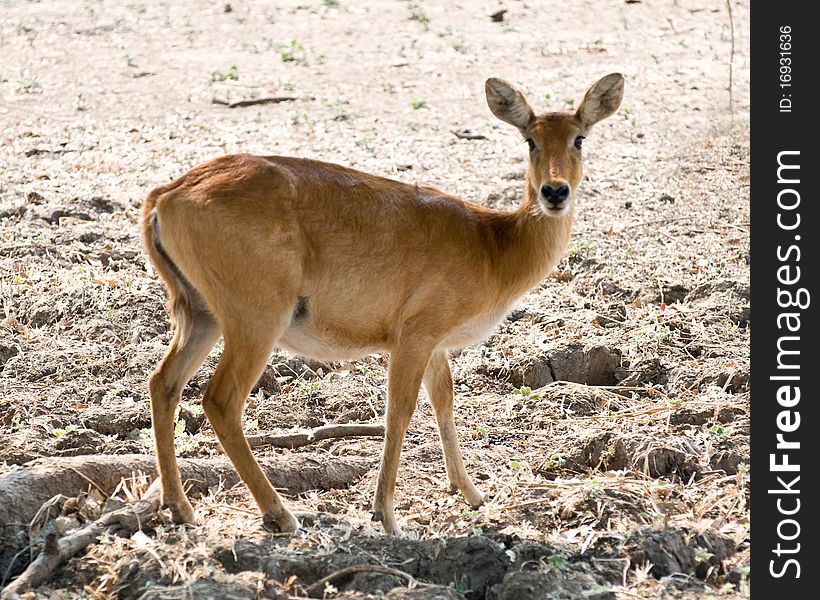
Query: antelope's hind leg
(184, 356)
(248, 343)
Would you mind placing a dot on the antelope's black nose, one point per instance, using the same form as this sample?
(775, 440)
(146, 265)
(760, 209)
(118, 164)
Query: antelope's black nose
(555, 195)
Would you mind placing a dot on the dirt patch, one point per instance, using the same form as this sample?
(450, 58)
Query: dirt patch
(471, 565)
(591, 365)
(733, 379)
(674, 551)
(469, 568)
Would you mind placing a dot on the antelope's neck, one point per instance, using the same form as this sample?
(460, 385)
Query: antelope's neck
(531, 246)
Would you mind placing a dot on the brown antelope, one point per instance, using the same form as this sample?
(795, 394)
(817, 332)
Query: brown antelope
(333, 263)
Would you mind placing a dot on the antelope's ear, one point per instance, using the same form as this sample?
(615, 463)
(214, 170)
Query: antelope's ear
(508, 104)
(602, 99)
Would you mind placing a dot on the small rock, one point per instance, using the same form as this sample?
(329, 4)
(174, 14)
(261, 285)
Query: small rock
(6, 352)
(78, 442)
(498, 16)
(34, 198)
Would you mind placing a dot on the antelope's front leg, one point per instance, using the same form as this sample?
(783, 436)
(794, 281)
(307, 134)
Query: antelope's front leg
(405, 372)
(438, 381)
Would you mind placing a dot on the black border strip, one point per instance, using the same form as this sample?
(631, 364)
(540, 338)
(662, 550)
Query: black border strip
(784, 276)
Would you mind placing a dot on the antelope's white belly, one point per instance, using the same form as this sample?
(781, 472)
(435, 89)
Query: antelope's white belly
(475, 330)
(307, 342)
(307, 339)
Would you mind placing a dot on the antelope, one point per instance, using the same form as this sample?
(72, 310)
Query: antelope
(333, 263)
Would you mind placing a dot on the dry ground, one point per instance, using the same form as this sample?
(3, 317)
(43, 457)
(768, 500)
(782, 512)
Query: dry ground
(627, 477)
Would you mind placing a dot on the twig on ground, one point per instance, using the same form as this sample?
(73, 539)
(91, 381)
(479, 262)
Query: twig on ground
(466, 134)
(634, 388)
(655, 222)
(254, 101)
(325, 432)
(23, 492)
(124, 521)
(731, 53)
(91, 482)
(624, 415)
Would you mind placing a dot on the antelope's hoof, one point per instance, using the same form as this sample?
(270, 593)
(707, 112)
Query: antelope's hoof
(389, 524)
(393, 529)
(477, 502)
(284, 523)
(473, 496)
(181, 514)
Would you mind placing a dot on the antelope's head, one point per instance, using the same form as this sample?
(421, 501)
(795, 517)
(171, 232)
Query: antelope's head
(555, 139)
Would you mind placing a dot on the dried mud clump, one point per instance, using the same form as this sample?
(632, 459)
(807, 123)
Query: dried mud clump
(678, 551)
(574, 361)
(669, 457)
(471, 565)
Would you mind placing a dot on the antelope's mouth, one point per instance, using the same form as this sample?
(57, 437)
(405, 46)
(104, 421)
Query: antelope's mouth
(550, 210)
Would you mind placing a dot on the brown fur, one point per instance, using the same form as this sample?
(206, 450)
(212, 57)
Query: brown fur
(333, 263)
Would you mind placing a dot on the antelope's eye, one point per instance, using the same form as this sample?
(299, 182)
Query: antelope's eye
(531, 144)
(579, 141)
